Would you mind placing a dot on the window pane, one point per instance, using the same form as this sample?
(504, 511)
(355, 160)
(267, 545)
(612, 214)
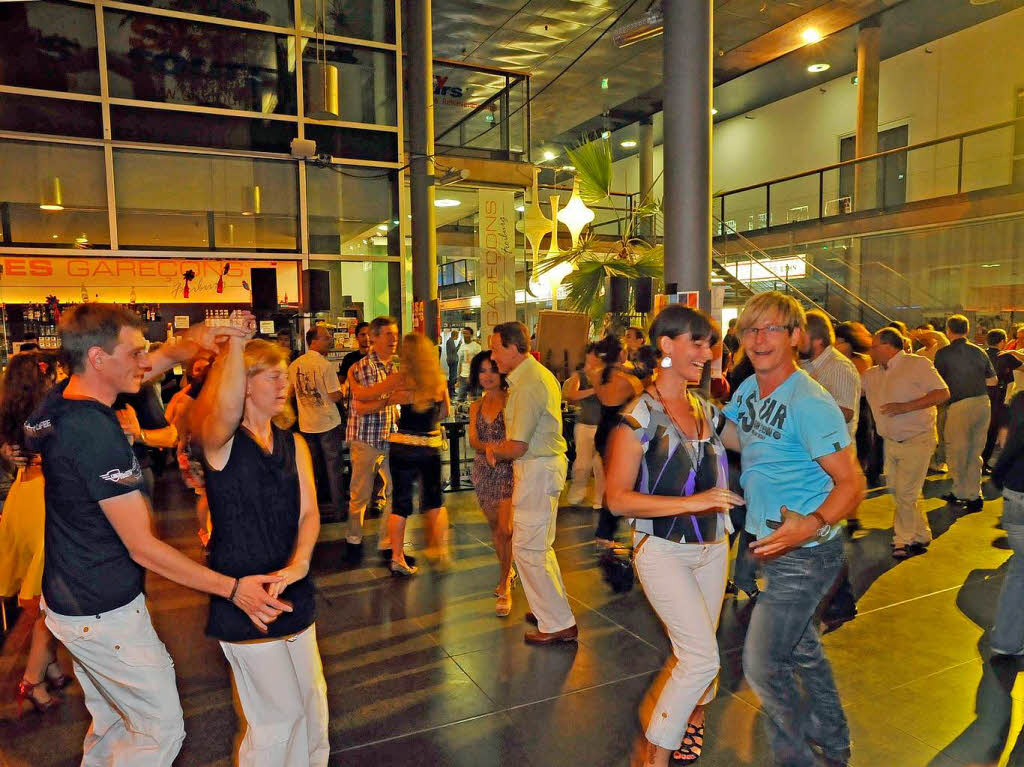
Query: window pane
(277, 13)
(215, 203)
(365, 19)
(49, 45)
(33, 114)
(365, 290)
(354, 143)
(352, 211)
(184, 62)
(366, 82)
(67, 179)
(164, 126)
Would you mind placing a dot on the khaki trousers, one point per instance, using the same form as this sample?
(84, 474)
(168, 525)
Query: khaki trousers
(587, 462)
(965, 433)
(906, 466)
(538, 483)
(366, 461)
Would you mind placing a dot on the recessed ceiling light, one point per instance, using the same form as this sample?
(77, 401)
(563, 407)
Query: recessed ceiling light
(989, 266)
(519, 208)
(382, 227)
(606, 134)
(811, 35)
(548, 155)
(627, 144)
(713, 111)
(395, 222)
(446, 202)
(818, 67)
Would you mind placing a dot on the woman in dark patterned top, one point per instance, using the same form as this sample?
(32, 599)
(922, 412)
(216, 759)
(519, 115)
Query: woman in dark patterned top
(667, 471)
(493, 483)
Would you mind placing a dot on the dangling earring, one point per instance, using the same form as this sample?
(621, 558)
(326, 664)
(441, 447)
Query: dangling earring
(666, 362)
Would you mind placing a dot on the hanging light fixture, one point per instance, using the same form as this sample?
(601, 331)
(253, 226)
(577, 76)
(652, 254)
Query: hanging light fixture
(322, 76)
(575, 215)
(548, 283)
(53, 195)
(535, 225)
(252, 201)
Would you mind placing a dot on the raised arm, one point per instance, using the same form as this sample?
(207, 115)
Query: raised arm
(218, 409)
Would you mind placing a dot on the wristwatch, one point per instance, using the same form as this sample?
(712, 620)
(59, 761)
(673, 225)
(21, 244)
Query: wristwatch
(823, 531)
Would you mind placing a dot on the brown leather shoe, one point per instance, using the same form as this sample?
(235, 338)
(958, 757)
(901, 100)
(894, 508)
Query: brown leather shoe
(570, 634)
(531, 618)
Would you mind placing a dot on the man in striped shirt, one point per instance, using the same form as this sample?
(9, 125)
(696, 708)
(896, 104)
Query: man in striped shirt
(837, 375)
(371, 382)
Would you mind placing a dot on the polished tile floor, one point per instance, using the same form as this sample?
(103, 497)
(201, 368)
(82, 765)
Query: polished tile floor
(420, 672)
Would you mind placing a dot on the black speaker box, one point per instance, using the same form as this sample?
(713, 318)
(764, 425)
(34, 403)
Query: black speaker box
(264, 290)
(643, 295)
(316, 290)
(616, 294)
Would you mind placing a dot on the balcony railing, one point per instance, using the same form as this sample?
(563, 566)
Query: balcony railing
(975, 160)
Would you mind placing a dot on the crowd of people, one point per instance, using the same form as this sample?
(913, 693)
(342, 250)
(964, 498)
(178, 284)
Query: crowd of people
(772, 455)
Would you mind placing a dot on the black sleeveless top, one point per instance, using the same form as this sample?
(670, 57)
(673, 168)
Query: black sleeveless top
(411, 421)
(254, 507)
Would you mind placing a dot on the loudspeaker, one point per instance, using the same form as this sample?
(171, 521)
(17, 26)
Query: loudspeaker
(643, 295)
(616, 294)
(264, 290)
(316, 290)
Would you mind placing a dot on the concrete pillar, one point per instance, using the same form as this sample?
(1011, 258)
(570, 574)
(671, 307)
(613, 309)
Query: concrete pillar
(866, 175)
(687, 146)
(645, 226)
(419, 44)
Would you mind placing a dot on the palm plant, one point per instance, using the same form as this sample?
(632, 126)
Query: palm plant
(631, 254)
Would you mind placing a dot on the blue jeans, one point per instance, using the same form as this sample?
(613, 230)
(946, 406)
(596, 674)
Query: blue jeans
(783, 654)
(1008, 633)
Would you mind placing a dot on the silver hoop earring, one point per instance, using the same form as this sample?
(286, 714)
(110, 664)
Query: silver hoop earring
(666, 362)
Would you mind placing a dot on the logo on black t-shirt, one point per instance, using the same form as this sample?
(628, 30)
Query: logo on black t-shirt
(131, 476)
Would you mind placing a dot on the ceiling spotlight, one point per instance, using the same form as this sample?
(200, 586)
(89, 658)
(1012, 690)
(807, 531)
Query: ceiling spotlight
(382, 227)
(452, 176)
(446, 202)
(606, 134)
(548, 155)
(519, 208)
(811, 35)
(713, 111)
(627, 144)
(818, 67)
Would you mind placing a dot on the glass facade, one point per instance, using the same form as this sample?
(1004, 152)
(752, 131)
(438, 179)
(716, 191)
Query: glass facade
(200, 101)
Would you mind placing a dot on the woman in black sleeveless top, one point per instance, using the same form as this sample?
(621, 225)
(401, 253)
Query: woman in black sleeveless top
(259, 484)
(414, 451)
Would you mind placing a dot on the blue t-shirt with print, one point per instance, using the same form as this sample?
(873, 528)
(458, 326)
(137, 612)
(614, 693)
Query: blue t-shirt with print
(782, 436)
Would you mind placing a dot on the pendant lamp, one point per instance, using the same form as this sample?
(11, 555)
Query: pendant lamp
(535, 225)
(252, 201)
(575, 215)
(321, 77)
(53, 195)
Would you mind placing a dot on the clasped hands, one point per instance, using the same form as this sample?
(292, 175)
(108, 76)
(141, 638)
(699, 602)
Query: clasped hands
(258, 596)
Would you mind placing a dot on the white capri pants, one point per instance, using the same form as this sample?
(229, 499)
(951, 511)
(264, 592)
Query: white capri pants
(685, 584)
(538, 483)
(128, 680)
(280, 684)
(587, 462)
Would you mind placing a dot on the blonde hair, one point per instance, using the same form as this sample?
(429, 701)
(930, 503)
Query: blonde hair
(419, 363)
(786, 307)
(262, 355)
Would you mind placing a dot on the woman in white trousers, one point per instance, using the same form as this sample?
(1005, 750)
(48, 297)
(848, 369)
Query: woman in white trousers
(667, 471)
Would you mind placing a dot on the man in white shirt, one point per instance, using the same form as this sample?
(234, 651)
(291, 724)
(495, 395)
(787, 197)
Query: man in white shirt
(534, 442)
(903, 391)
(317, 393)
(469, 349)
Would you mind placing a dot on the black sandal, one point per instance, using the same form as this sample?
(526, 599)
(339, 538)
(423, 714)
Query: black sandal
(690, 749)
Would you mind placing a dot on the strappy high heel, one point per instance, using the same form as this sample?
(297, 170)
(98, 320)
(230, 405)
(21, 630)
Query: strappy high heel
(26, 692)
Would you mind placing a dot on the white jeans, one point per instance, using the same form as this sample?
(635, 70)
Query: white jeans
(906, 467)
(685, 584)
(128, 681)
(281, 687)
(538, 483)
(587, 461)
(366, 461)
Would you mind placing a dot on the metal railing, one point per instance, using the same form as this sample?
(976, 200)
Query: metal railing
(978, 159)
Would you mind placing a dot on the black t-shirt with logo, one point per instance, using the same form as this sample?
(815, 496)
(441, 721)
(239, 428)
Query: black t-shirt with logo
(86, 459)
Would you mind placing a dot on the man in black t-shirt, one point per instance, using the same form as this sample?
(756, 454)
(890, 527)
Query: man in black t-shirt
(99, 540)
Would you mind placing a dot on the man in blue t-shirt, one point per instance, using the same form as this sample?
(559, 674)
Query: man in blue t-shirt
(800, 479)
